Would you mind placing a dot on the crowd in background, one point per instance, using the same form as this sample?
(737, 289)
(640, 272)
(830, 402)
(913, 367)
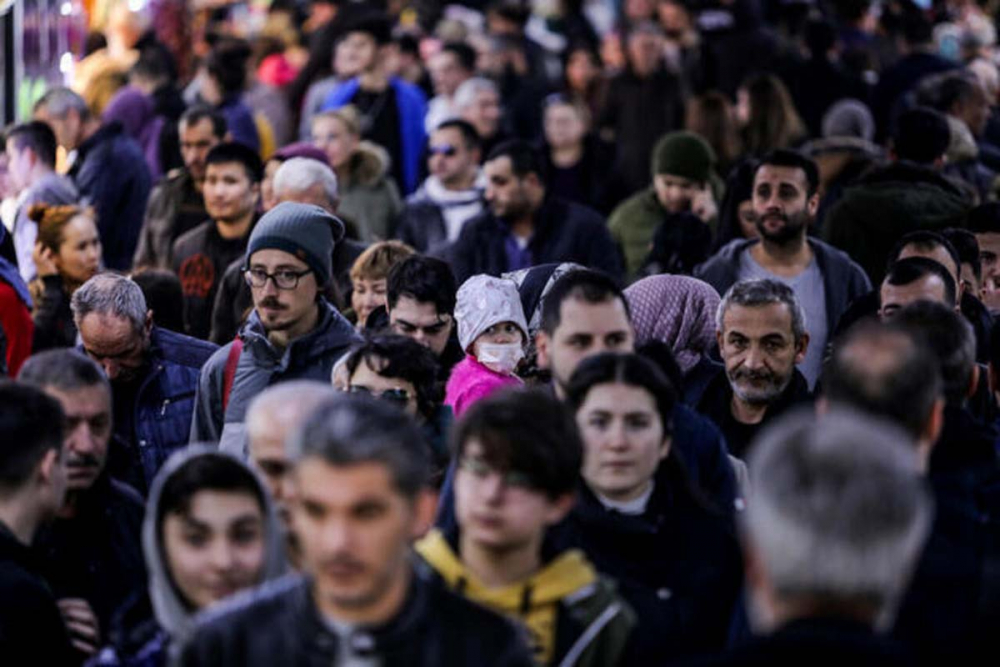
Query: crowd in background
(505, 332)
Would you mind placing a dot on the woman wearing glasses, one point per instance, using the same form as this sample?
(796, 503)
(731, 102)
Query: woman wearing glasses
(400, 370)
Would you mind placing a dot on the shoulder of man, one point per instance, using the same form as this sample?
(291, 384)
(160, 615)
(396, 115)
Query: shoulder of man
(183, 350)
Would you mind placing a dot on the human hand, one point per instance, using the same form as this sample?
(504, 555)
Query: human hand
(81, 622)
(45, 260)
(703, 204)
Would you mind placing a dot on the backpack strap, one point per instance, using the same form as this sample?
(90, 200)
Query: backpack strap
(229, 373)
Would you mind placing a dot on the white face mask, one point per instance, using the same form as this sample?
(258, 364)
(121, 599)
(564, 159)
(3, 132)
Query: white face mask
(500, 358)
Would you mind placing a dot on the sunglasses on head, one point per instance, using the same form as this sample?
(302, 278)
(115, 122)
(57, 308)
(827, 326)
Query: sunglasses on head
(398, 396)
(446, 150)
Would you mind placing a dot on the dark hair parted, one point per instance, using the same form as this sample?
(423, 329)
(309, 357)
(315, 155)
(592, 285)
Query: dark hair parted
(423, 279)
(586, 285)
(394, 356)
(37, 136)
(925, 241)
(525, 431)
(628, 369)
(912, 269)
(32, 423)
(198, 112)
(63, 369)
(524, 158)
(465, 128)
(783, 157)
(231, 151)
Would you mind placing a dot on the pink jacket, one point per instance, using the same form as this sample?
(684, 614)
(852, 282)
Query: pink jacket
(471, 381)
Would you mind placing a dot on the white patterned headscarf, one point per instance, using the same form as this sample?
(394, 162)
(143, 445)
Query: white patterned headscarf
(483, 301)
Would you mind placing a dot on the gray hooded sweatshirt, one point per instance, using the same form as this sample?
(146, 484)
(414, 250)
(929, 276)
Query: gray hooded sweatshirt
(173, 615)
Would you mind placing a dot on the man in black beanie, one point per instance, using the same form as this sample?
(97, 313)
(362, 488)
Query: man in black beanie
(292, 333)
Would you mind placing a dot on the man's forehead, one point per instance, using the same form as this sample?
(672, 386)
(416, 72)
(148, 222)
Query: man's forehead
(777, 175)
(203, 128)
(610, 314)
(758, 321)
(343, 485)
(937, 253)
(272, 258)
(416, 312)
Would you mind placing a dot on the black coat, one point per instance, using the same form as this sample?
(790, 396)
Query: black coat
(280, 625)
(817, 642)
(678, 565)
(715, 404)
(952, 608)
(564, 232)
(31, 627)
(97, 555)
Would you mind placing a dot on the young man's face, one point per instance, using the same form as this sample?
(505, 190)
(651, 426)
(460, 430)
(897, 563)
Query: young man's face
(283, 309)
(759, 350)
(674, 192)
(19, 163)
(88, 431)
(354, 528)
(506, 193)
(216, 548)
(197, 139)
(585, 329)
(450, 159)
(498, 510)
(355, 53)
(447, 73)
(781, 203)
(368, 380)
(230, 195)
(422, 322)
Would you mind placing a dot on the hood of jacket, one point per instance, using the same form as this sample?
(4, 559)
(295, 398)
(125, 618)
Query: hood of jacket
(171, 612)
(369, 163)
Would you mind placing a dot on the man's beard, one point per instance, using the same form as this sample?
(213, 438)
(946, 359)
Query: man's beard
(773, 388)
(791, 230)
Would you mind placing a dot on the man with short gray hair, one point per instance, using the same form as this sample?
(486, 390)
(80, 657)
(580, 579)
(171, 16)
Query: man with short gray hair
(761, 332)
(108, 168)
(838, 519)
(153, 372)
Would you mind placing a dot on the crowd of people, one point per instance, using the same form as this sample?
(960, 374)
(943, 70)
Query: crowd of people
(573, 333)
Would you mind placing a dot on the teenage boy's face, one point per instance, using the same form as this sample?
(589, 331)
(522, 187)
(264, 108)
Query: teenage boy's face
(497, 509)
(675, 193)
(355, 53)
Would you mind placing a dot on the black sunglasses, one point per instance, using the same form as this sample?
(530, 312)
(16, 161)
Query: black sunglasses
(398, 396)
(446, 150)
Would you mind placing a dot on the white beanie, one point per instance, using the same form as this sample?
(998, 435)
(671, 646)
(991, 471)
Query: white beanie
(483, 301)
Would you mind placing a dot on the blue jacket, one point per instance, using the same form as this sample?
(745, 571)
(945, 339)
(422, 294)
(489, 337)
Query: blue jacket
(165, 400)
(412, 107)
(111, 173)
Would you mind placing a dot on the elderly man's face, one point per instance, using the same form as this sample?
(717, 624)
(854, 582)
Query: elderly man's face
(88, 432)
(115, 344)
(760, 351)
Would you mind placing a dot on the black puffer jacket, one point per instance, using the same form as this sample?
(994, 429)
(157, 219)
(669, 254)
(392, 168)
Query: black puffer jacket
(280, 625)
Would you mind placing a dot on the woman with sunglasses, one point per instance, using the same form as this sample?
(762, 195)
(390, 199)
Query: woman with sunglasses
(638, 518)
(399, 370)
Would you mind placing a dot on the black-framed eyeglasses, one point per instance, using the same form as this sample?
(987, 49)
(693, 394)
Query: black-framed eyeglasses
(285, 279)
(398, 396)
(446, 150)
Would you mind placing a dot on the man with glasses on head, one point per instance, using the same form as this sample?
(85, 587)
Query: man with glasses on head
(453, 193)
(292, 333)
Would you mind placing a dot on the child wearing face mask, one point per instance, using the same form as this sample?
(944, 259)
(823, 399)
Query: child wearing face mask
(493, 333)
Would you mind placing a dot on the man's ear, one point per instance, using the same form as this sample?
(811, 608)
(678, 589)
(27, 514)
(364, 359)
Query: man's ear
(970, 391)
(425, 508)
(47, 467)
(559, 508)
(149, 321)
(542, 343)
(801, 346)
(813, 204)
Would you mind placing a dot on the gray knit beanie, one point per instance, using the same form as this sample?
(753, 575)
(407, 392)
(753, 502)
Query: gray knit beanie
(302, 230)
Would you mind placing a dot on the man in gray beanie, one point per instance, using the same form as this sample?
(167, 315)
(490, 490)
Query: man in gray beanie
(292, 333)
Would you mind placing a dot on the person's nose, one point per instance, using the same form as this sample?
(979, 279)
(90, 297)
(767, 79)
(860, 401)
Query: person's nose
(221, 555)
(111, 368)
(754, 358)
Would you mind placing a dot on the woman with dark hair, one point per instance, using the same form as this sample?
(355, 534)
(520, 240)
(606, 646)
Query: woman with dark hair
(767, 115)
(637, 517)
(583, 79)
(577, 162)
(202, 502)
(711, 116)
(400, 370)
(736, 219)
